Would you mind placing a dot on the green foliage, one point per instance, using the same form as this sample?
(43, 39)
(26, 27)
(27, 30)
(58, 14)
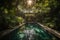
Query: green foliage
(48, 12)
(8, 13)
(20, 19)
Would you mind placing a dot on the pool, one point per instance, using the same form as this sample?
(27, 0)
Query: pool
(30, 31)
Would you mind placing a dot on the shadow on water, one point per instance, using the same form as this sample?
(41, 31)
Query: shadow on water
(30, 31)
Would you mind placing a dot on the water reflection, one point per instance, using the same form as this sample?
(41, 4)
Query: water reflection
(35, 32)
(29, 32)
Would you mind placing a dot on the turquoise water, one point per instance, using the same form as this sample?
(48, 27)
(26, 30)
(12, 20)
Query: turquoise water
(29, 31)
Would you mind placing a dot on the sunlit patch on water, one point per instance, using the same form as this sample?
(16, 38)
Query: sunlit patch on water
(29, 32)
(32, 32)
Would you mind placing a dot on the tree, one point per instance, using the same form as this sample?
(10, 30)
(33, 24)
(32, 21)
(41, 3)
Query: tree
(8, 13)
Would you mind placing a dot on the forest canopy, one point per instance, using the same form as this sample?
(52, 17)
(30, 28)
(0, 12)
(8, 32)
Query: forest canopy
(48, 12)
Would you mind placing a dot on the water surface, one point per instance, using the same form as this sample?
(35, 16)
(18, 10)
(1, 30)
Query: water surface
(29, 31)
